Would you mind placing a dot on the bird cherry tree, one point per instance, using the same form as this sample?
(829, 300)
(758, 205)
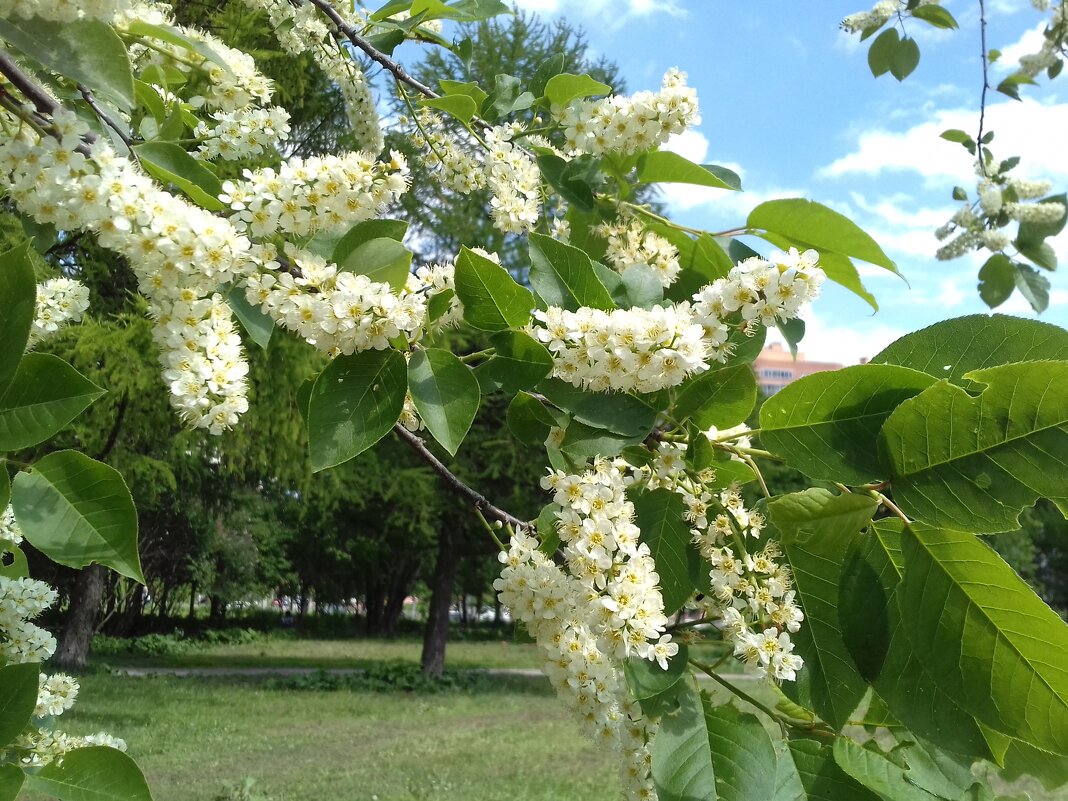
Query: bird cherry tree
(904, 658)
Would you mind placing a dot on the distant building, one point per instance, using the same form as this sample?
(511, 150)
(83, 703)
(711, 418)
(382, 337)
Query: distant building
(775, 367)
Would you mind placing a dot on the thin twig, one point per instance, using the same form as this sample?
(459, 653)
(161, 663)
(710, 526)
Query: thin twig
(103, 116)
(889, 504)
(476, 499)
(369, 50)
(986, 85)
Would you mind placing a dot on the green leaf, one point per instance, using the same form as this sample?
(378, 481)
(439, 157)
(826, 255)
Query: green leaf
(654, 688)
(1025, 760)
(18, 698)
(172, 35)
(952, 348)
(816, 529)
(258, 325)
(660, 514)
(1033, 286)
(838, 268)
(882, 51)
(974, 463)
(470, 89)
(561, 89)
(626, 415)
(742, 753)
(960, 137)
(85, 51)
(574, 180)
(663, 166)
(935, 15)
(820, 227)
(551, 66)
(45, 395)
(821, 777)
(170, 164)
(639, 287)
(827, 425)
(877, 771)
(462, 107)
(529, 420)
(905, 59)
(95, 773)
(5, 485)
(446, 395)
(564, 276)
(363, 232)
(19, 290)
(11, 779)
(77, 511)
(17, 567)
(382, 259)
(519, 363)
(986, 638)
(492, 300)
(582, 442)
(875, 635)
(354, 403)
(1041, 254)
(997, 280)
(722, 397)
(682, 761)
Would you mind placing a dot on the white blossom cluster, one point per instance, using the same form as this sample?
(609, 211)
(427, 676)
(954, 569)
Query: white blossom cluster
(59, 301)
(300, 29)
(317, 194)
(21, 600)
(39, 747)
(233, 135)
(1054, 42)
(623, 350)
(438, 279)
(62, 10)
(588, 618)
(55, 695)
(1001, 200)
(505, 169)
(630, 124)
(878, 15)
(751, 588)
(646, 350)
(336, 311)
(179, 252)
(630, 244)
(10, 532)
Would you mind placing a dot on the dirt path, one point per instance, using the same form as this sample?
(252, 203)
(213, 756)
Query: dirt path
(195, 672)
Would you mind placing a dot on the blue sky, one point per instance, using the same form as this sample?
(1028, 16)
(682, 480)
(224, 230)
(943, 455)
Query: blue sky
(788, 101)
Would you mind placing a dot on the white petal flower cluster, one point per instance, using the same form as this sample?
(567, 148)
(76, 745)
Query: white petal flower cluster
(300, 29)
(630, 244)
(878, 15)
(234, 135)
(59, 301)
(337, 312)
(55, 695)
(759, 290)
(439, 279)
(1000, 201)
(179, 252)
(631, 124)
(505, 169)
(62, 10)
(234, 81)
(10, 532)
(21, 600)
(623, 350)
(588, 618)
(39, 747)
(1054, 42)
(645, 350)
(751, 587)
(317, 194)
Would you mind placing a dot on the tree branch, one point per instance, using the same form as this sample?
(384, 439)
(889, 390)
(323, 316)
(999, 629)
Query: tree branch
(369, 50)
(455, 484)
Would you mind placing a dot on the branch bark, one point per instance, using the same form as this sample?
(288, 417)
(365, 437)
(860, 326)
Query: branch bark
(476, 499)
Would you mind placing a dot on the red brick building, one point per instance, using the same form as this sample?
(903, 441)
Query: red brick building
(775, 367)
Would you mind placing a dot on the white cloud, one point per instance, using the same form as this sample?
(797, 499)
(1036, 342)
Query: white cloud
(605, 9)
(1030, 42)
(1030, 129)
(844, 344)
(1017, 303)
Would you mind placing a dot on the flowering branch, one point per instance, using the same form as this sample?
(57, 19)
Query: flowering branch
(479, 501)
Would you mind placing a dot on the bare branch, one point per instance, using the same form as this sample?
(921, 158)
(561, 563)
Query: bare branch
(455, 484)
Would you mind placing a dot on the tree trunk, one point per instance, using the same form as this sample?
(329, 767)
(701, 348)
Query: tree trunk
(192, 601)
(81, 618)
(218, 609)
(437, 624)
